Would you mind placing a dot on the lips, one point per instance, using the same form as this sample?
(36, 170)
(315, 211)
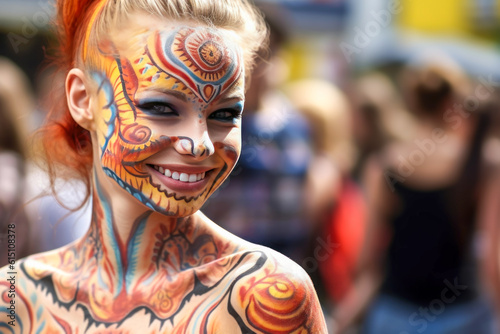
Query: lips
(182, 178)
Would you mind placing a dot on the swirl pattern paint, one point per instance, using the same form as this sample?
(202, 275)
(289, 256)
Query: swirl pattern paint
(149, 262)
(199, 59)
(195, 62)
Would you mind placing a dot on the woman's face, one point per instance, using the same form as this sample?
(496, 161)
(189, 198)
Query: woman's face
(168, 113)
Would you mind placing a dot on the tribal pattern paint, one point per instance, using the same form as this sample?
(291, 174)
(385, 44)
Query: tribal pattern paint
(275, 304)
(191, 62)
(160, 266)
(187, 281)
(198, 58)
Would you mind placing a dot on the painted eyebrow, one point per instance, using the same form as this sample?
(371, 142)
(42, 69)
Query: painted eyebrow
(236, 98)
(175, 93)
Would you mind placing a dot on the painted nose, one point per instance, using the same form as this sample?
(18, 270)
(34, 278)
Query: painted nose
(196, 147)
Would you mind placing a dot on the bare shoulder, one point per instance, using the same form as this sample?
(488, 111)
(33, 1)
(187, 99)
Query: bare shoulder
(15, 303)
(275, 294)
(22, 297)
(267, 292)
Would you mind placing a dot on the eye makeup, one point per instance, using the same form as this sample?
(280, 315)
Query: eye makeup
(229, 114)
(156, 107)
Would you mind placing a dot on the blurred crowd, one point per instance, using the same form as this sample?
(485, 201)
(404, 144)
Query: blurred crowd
(385, 188)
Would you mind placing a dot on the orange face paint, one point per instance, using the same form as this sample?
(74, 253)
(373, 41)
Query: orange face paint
(178, 94)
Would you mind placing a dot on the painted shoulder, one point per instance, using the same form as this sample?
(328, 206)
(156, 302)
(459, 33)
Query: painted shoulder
(15, 303)
(26, 287)
(278, 296)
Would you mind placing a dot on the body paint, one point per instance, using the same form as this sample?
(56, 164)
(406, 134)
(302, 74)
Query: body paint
(194, 61)
(199, 58)
(162, 277)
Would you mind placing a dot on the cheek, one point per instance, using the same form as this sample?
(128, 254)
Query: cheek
(230, 151)
(136, 134)
(117, 127)
(229, 144)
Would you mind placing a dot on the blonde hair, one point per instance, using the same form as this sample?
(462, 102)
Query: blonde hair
(240, 16)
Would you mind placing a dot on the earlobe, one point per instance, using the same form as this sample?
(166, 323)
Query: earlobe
(78, 98)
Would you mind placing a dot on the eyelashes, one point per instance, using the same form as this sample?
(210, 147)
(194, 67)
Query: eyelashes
(158, 108)
(226, 115)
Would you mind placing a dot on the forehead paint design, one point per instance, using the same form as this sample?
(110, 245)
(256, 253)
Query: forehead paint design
(200, 64)
(197, 57)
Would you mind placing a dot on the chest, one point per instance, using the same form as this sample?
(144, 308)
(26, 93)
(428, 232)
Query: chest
(203, 313)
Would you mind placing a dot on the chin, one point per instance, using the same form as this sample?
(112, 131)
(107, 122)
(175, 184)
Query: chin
(157, 197)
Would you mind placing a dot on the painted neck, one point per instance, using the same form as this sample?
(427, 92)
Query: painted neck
(130, 258)
(133, 241)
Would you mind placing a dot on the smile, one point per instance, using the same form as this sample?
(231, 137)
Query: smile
(179, 176)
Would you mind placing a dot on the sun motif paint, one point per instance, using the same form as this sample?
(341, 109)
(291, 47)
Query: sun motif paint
(198, 58)
(196, 62)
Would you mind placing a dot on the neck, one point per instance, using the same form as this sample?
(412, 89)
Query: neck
(129, 259)
(136, 244)
(132, 255)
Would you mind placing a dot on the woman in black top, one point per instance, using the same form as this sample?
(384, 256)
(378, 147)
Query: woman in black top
(423, 196)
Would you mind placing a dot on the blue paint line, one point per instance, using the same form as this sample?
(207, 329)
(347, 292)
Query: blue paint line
(111, 236)
(40, 328)
(105, 85)
(39, 313)
(132, 252)
(9, 327)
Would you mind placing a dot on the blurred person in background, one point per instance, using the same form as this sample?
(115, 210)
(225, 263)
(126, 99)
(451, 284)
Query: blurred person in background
(16, 103)
(55, 210)
(263, 199)
(490, 208)
(41, 222)
(416, 270)
(379, 116)
(334, 202)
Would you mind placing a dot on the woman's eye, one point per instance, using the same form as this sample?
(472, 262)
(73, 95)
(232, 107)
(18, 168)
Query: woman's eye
(157, 108)
(226, 115)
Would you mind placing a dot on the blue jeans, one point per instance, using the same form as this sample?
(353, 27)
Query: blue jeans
(390, 315)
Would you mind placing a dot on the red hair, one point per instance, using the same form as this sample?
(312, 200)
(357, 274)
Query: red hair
(66, 146)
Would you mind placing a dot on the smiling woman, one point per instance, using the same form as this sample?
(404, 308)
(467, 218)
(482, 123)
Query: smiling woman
(164, 94)
(151, 122)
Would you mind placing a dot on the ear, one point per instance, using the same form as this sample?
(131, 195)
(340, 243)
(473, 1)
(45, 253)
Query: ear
(78, 98)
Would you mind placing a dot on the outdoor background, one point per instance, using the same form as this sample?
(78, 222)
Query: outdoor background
(338, 91)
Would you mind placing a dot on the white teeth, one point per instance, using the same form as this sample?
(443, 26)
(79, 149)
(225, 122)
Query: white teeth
(183, 177)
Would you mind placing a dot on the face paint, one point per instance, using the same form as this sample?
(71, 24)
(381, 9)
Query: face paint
(198, 58)
(146, 99)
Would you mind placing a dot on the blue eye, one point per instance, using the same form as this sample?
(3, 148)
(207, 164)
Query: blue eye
(157, 108)
(226, 115)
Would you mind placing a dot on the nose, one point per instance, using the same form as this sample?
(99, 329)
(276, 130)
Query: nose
(198, 147)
